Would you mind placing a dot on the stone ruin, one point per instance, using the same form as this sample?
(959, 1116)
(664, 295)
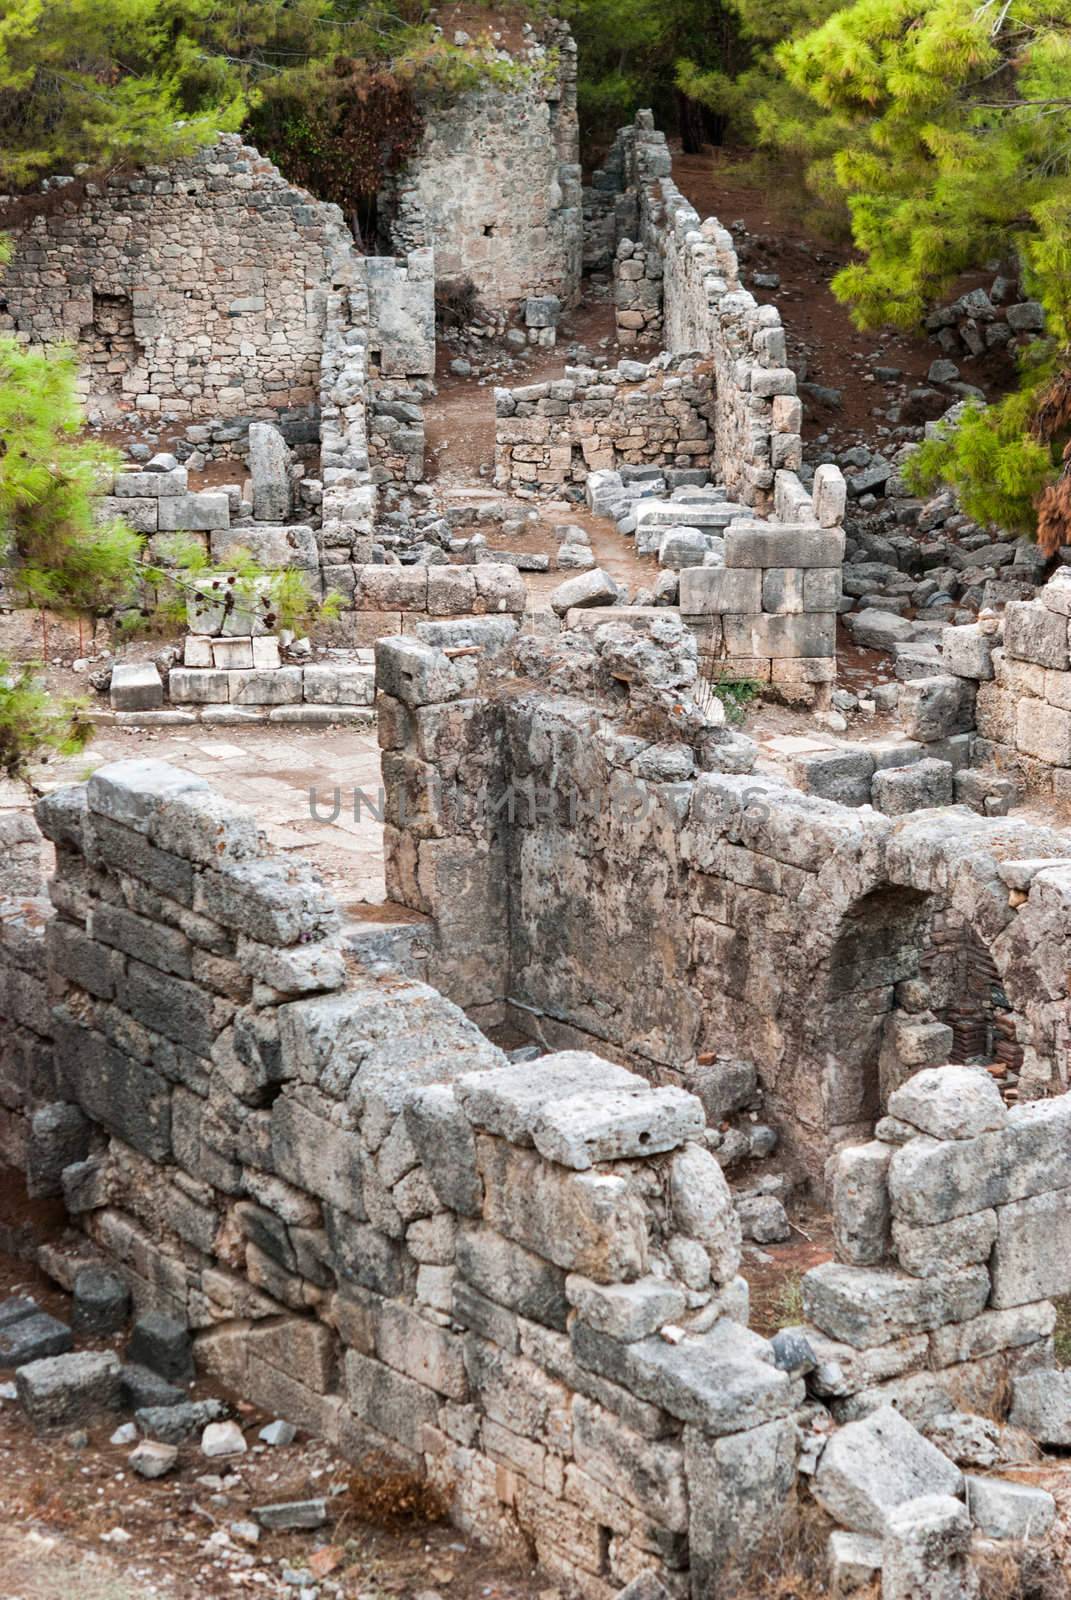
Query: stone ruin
(519, 1275)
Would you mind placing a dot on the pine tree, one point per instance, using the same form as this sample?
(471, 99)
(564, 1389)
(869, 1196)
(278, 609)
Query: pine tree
(950, 124)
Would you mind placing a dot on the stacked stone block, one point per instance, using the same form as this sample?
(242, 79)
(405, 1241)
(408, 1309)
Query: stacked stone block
(1017, 674)
(519, 1281)
(189, 289)
(241, 680)
(949, 1230)
(637, 293)
(770, 613)
(549, 435)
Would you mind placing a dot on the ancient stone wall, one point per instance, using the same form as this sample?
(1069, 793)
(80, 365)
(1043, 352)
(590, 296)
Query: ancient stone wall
(375, 1226)
(494, 187)
(677, 278)
(640, 891)
(551, 434)
(194, 289)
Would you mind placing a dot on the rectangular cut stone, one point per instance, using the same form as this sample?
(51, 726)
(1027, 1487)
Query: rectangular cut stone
(626, 1311)
(812, 634)
(782, 589)
(282, 687)
(870, 1467)
(582, 1221)
(864, 1306)
(648, 1473)
(510, 1100)
(861, 1203)
(513, 1276)
(991, 1332)
(395, 1405)
(760, 544)
(1044, 732)
(1032, 1255)
(196, 512)
(931, 1180)
(711, 591)
(616, 1125)
(927, 1252)
(1033, 633)
(740, 1499)
(156, 485)
(197, 686)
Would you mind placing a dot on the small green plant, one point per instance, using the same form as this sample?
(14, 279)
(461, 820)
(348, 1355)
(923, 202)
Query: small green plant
(33, 722)
(185, 585)
(735, 694)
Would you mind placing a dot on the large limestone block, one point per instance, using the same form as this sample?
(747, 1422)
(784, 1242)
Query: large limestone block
(1034, 633)
(594, 588)
(586, 1222)
(950, 1102)
(443, 1139)
(1032, 1256)
(713, 591)
(741, 1498)
(869, 1468)
(269, 468)
(927, 1551)
(512, 1276)
(512, 1100)
(616, 1125)
(777, 544)
(959, 1242)
(1041, 1406)
(861, 1203)
(1006, 1510)
(931, 1180)
(866, 1306)
(936, 707)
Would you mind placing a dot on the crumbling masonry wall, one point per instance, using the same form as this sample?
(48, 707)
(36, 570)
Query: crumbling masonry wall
(193, 289)
(644, 903)
(677, 279)
(494, 187)
(375, 1226)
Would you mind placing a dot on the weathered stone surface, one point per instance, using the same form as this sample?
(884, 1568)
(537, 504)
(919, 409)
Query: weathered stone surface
(150, 1459)
(1032, 1256)
(1005, 1510)
(960, 1242)
(741, 1498)
(510, 1100)
(870, 1467)
(626, 1311)
(595, 588)
(1041, 1406)
(992, 1331)
(135, 686)
(936, 707)
(616, 1125)
(583, 1221)
(513, 1276)
(62, 1390)
(443, 1138)
(174, 1424)
(703, 1209)
(861, 1203)
(162, 1344)
(269, 468)
(864, 1306)
(286, 1515)
(932, 1180)
(926, 1551)
(854, 1560)
(33, 1338)
(101, 1301)
(950, 1102)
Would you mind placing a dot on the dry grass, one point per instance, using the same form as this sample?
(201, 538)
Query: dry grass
(34, 1569)
(391, 1499)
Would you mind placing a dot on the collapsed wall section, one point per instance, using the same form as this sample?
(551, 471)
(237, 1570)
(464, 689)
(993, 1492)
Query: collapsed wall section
(375, 1226)
(193, 289)
(494, 187)
(605, 880)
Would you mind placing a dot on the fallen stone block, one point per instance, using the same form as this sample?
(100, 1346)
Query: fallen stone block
(879, 630)
(163, 1345)
(854, 1561)
(289, 1514)
(1005, 1510)
(869, 1468)
(899, 790)
(594, 588)
(1041, 1406)
(151, 1459)
(936, 707)
(174, 1424)
(926, 1551)
(66, 1389)
(141, 1389)
(101, 1301)
(135, 686)
(32, 1338)
(223, 1439)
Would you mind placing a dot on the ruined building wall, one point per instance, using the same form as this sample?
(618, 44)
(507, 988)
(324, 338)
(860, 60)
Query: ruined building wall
(494, 187)
(375, 1227)
(658, 912)
(677, 280)
(193, 289)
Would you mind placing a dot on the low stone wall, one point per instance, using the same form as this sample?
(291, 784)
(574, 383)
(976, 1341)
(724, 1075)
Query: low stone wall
(677, 277)
(1015, 673)
(375, 1226)
(614, 876)
(551, 434)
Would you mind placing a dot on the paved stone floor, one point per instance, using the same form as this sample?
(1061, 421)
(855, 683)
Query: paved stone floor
(287, 777)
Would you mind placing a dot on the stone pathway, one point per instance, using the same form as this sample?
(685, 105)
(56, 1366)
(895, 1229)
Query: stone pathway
(288, 779)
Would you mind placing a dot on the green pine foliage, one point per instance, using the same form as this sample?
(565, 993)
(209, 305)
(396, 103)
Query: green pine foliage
(58, 554)
(946, 126)
(33, 722)
(183, 582)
